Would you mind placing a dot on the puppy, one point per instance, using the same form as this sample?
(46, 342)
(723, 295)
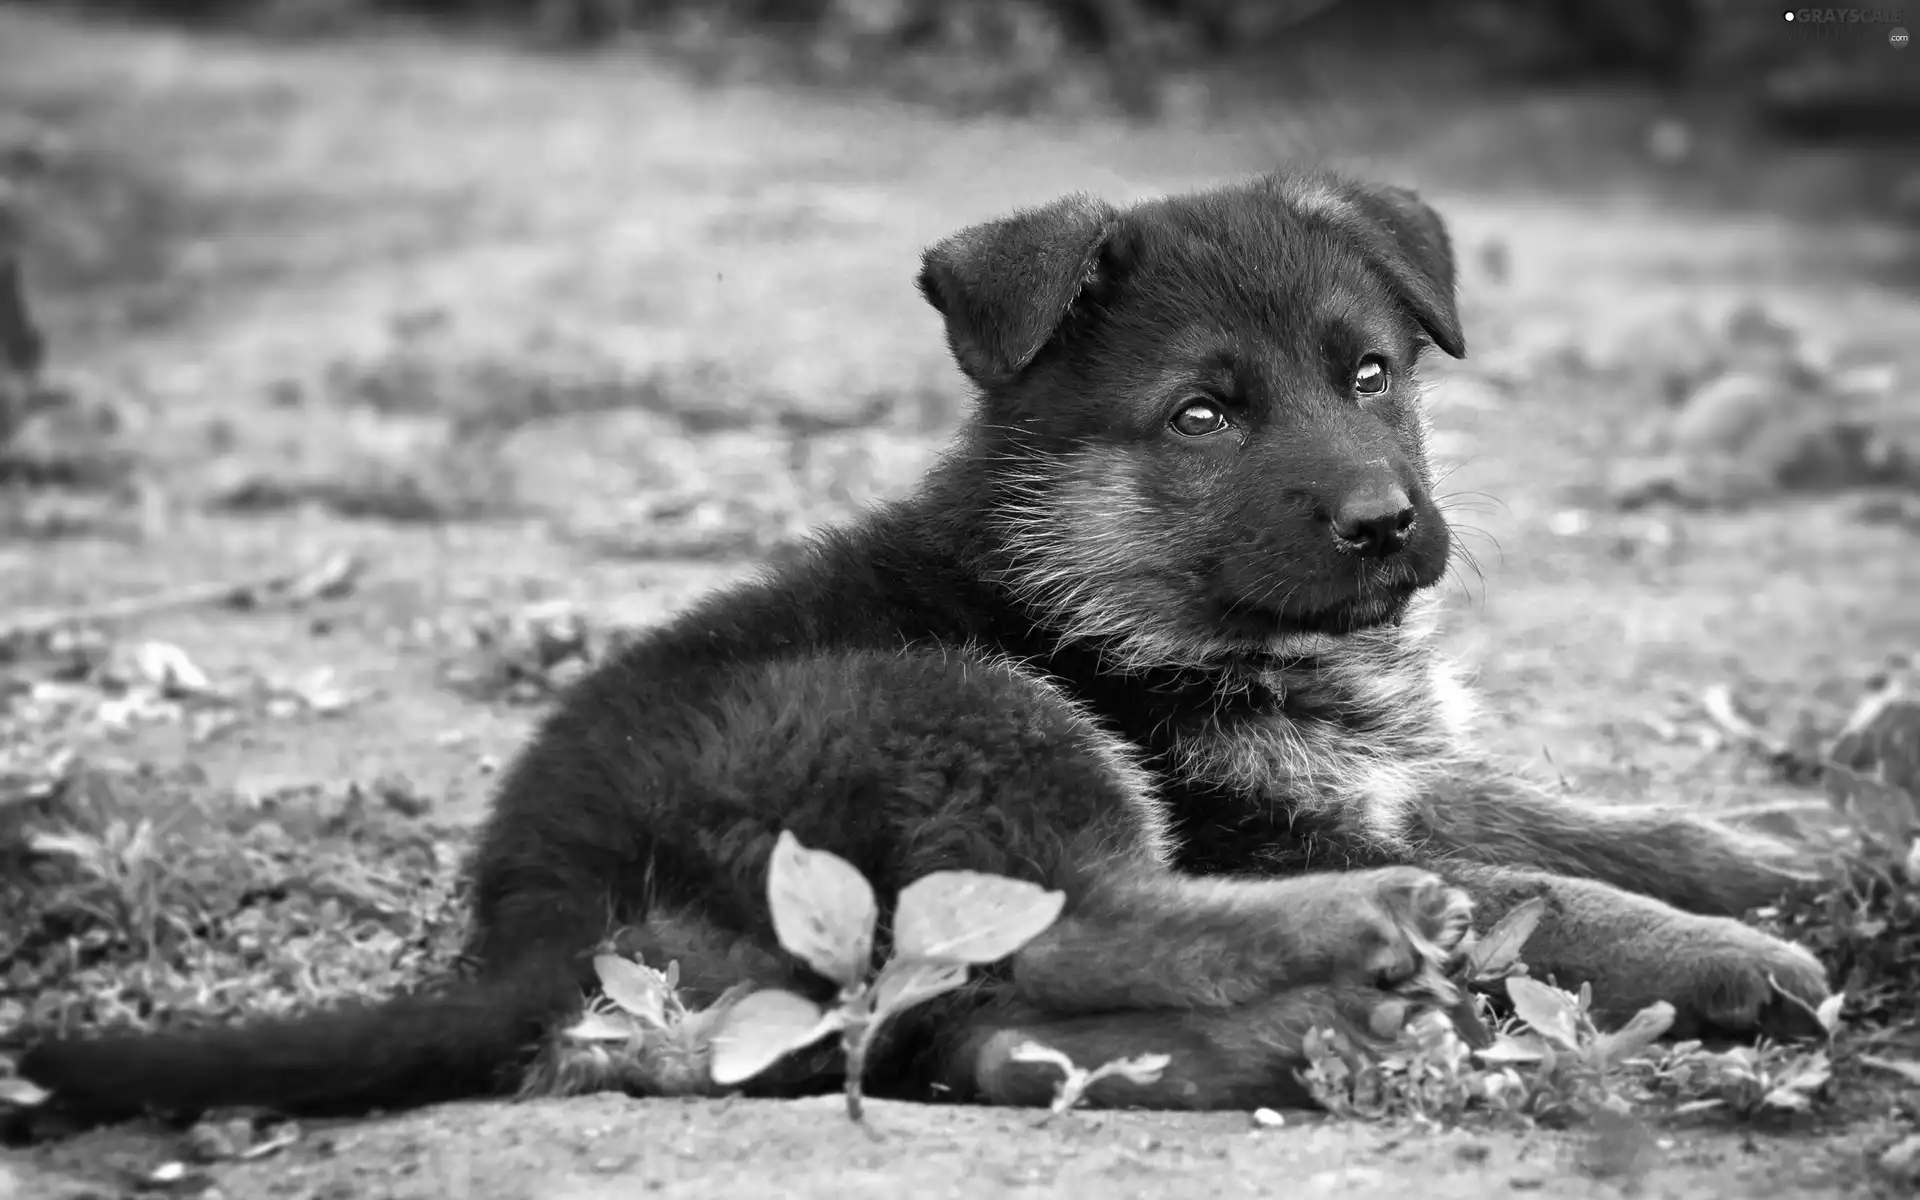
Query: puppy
(1155, 632)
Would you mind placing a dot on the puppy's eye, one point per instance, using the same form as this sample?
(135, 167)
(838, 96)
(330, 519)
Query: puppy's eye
(1199, 418)
(1371, 378)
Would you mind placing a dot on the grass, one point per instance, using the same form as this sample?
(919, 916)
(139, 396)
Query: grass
(136, 900)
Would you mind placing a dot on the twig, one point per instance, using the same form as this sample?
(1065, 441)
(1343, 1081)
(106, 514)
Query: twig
(329, 578)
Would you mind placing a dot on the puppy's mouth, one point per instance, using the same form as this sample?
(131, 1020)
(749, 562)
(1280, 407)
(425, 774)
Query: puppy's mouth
(1262, 624)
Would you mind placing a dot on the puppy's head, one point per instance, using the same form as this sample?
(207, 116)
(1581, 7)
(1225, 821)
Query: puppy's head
(1199, 416)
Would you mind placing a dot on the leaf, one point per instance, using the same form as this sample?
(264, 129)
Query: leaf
(1809, 1075)
(22, 1093)
(1548, 1011)
(823, 910)
(167, 667)
(633, 987)
(763, 1028)
(904, 983)
(1495, 955)
(971, 917)
(1909, 1071)
(1879, 810)
(1636, 1035)
(1526, 1048)
(1828, 1014)
(1698, 1106)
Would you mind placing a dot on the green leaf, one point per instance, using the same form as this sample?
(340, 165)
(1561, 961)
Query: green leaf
(1548, 1011)
(971, 917)
(1497, 954)
(904, 983)
(633, 987)
(823, 910)
(763, 1028)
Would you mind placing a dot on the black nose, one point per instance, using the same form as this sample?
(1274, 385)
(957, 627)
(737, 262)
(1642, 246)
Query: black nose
(1374, 522)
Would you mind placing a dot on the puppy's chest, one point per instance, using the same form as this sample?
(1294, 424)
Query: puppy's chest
(1313, 748)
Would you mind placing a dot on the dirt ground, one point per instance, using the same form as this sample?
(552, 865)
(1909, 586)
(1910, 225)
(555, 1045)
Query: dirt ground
(518, 329)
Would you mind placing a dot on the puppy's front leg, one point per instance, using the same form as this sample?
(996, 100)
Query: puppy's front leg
(1689, 861)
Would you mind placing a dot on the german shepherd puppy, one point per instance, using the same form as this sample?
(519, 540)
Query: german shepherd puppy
(1153, 633)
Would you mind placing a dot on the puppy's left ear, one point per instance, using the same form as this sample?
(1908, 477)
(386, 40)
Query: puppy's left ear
(1409, 242)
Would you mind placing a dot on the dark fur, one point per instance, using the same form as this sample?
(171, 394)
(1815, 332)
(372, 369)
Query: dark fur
(1090, 652)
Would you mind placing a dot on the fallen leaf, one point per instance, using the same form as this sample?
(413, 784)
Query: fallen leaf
(1496, 954)
(971, 917)
(167, 667)
(279, 1138)
(329, 580)
(763, 1028)
(823, 910)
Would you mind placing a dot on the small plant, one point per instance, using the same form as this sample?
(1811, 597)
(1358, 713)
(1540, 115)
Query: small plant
(824, 913)
(1550, 1061)
(1075, 1080)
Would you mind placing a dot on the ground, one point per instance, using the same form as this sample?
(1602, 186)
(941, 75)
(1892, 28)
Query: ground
(517, 330)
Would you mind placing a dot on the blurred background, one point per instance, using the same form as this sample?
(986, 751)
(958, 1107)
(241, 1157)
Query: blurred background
(591, 303)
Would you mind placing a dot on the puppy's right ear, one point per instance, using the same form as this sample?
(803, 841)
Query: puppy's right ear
(1005, 286)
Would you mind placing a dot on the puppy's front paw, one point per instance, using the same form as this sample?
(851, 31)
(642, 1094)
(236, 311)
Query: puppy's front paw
(1724, 977)
(1411, 923)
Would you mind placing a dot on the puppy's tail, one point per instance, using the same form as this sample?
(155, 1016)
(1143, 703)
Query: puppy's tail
(472, 1040)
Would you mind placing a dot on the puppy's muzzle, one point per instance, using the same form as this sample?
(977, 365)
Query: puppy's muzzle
(1375, 520)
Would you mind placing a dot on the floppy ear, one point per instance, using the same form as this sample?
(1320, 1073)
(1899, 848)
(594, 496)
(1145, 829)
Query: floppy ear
(1005, 286)
(1405, 238)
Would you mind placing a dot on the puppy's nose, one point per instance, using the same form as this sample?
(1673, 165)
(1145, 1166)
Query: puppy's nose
(1374, 522)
